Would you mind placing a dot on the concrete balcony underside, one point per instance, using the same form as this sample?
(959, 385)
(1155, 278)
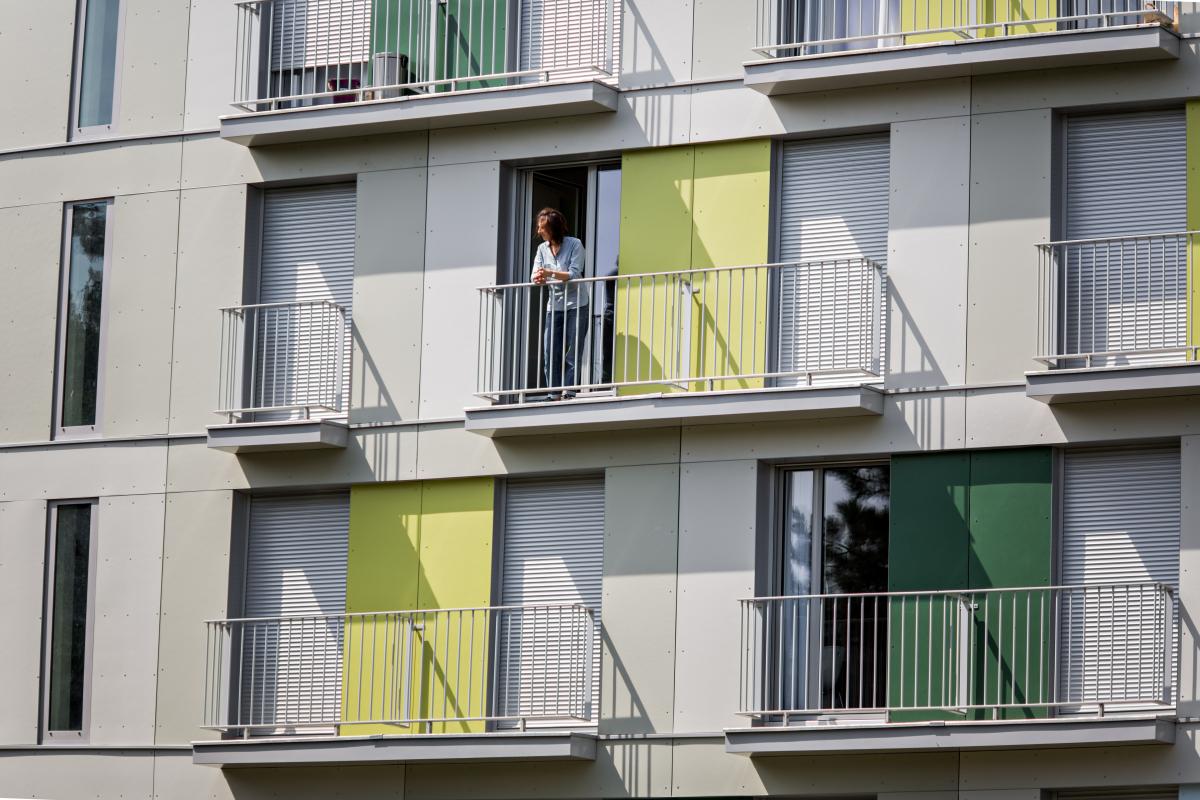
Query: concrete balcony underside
(270, 751)
(967, 735)
(1113, 383)
(269, 437)
(960, 58)
(421, 112)
(661, 410)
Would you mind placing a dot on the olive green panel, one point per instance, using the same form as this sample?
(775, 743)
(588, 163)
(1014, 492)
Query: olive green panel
(456, 572)
(927, 550)
(938, 15)
(1193, 224)
(731, 215)
(422, 545)
(656, 236)
(693, 207)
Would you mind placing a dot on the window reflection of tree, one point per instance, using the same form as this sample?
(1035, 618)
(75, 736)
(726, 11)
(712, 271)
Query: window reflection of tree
(84, 298)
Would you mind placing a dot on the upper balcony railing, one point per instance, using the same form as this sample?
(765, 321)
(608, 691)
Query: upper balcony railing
(1117, 301)
(294, 53)
(819, 27)
(725, 328)
(283, 359)
(445, 670)
(993, 653)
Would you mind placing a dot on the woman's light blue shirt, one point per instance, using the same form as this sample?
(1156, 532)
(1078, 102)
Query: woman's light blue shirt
(570, 259)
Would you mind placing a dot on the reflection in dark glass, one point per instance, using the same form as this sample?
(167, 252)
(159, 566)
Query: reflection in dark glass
(72, 546)
(81, 343)
(97, 70)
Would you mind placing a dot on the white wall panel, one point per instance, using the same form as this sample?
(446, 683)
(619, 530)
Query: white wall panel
(128, 580)
(139, 300)
(723, 33)
(1189, 570)
(656, 42)
(82, 470)
(22, 577)
(32, 235)
(718, 510)
(389, 261)
(126, 774)
(84, 172)
(641, 539)
(1010, 213)
(212, 226)
(927, 263)
(41, 34)
(152, 62)
(457, 261)
(196, 559)
(210, 61)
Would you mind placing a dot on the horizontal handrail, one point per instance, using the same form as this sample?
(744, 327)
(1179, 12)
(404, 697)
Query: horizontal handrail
(297, 53)
(517, 664)
(795, 28)
(781, 324)
(1077, 647)
(1115, 301)
(283, 358)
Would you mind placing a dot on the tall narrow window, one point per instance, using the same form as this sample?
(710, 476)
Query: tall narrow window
(72, 526)
(830, 623)
(96, 64)
(86, 253)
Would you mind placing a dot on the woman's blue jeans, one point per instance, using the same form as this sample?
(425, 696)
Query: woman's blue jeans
(563, 338)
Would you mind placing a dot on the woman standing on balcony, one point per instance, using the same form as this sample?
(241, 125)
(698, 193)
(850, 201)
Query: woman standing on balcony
(560, 260)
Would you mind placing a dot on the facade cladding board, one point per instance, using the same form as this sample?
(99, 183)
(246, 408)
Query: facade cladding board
(977, 520)
(414, 546)
(694, 207)
(1193, 224)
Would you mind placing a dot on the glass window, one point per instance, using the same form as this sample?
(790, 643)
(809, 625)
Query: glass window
(829, 624)
(71, 550)
(83, 292)
(96, 62)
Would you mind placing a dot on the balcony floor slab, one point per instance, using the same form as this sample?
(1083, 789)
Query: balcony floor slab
(268, 437)
(421, 112)
(660, 410)
(972, 735)
(335, 750)
(1113, 383)
(961, 58)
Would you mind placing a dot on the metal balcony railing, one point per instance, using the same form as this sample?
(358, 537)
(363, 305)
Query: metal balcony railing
(993, 652)
(788, 28)
(283, 359)
(429, 670)
(725, 328)
(1116, 301)
(293, 53)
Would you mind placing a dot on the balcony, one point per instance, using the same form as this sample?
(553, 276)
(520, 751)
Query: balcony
(699, 346)
(323, 69)
(1058, 666)
(839, 44)
(284, 373)
(504, 683)
(1113, 319)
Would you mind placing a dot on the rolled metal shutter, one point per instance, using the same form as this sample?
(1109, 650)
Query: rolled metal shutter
(307, 255)
(553, 553)
(1121, 525)
(318, 33)
(1125, 174)
(295, 566)
(833, 205)
(568, 37)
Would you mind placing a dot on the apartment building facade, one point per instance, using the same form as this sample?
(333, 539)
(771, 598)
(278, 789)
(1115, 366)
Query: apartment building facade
(858, 459)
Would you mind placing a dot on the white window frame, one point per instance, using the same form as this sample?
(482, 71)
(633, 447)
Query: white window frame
(82, 735)
(75, 132)
(80, 431)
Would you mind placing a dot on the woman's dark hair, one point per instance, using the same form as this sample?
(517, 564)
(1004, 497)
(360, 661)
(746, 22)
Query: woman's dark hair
(555, 222)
